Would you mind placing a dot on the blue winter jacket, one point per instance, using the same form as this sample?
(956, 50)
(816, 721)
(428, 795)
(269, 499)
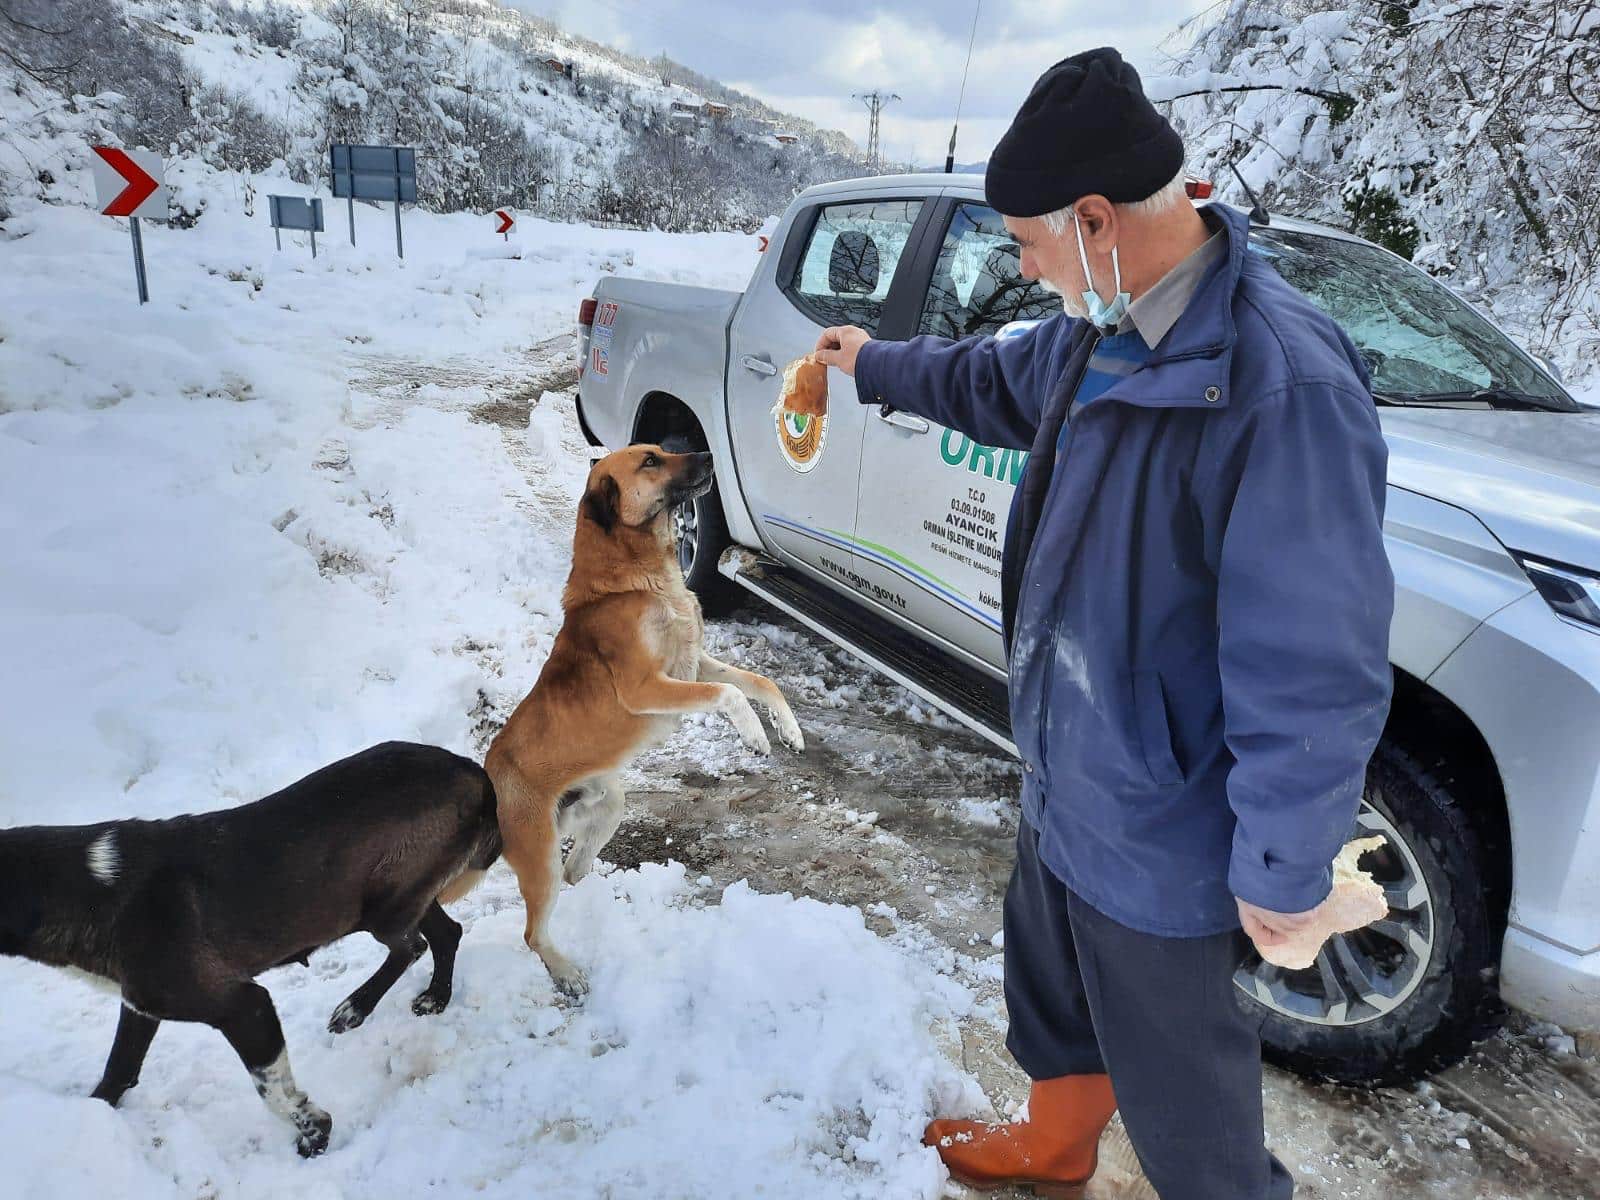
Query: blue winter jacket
(1195, 592)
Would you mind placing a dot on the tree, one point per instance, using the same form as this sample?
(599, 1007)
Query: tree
(1466, 135)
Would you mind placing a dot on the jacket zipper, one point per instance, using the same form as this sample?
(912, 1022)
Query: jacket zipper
(1055, 626)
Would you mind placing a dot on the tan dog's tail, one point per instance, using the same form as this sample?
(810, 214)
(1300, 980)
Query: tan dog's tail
(483, 857)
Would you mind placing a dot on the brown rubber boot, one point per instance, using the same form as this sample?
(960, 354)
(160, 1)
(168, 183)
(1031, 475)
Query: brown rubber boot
(1053, 1151)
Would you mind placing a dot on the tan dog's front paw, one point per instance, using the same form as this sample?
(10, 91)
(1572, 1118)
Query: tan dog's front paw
(789, 732)
(745, 721)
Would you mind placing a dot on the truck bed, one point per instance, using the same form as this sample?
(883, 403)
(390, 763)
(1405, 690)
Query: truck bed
(682, 330)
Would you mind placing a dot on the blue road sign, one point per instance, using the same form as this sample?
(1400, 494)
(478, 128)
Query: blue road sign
(296, 212)
(374, 173)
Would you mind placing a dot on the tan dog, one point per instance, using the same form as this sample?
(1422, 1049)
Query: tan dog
(627, 663)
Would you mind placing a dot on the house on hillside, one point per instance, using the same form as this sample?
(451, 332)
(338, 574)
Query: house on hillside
(785, 138)
(717, 112)
(557, 66)
(685, 110)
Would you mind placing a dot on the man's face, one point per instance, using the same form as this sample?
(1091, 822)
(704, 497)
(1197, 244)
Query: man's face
(1051, 259)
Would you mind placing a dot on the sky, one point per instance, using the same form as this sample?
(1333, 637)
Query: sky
(809, 58)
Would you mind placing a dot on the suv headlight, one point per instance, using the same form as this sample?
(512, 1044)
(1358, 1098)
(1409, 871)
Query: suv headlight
(1573, 592)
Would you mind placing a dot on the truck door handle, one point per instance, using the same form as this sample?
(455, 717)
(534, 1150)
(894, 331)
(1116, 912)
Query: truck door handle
(900, 420)
(759, 365)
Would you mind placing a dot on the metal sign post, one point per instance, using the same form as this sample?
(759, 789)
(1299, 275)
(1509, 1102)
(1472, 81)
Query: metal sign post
(138, 262)
(129, 183)
(295, 212)
(351, 214)
(375, 173)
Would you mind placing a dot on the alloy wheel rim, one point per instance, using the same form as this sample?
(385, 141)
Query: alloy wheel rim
(1368, 973)
(686, 525)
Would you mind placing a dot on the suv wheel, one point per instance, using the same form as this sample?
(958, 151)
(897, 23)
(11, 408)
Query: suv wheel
(702, 535)
(1411, 993)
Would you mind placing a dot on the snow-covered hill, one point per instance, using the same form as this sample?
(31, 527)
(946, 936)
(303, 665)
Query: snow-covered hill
(504, 108)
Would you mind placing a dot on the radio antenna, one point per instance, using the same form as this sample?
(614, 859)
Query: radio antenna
(1258, 214)
(950, 155)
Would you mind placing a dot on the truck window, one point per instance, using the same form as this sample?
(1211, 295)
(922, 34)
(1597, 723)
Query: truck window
(849, 261)
(977, 283)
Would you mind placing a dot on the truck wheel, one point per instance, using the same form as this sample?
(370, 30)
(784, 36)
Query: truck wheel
(1410, 994)
(702, 534)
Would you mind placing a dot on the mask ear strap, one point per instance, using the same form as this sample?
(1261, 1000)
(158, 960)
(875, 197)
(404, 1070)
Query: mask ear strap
(1116, 271)
(1083, 257)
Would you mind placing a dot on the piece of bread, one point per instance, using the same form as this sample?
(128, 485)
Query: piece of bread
(805, 387)
(1356, 900)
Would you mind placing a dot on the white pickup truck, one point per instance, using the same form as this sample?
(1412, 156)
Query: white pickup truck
(883, 533)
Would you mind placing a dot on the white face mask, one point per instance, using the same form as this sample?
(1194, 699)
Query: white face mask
(1095, 309)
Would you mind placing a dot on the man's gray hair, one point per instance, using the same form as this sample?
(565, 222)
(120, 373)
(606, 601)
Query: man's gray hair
(1170, 195)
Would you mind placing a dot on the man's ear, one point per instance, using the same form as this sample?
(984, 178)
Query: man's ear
(1099, 220)
(603, 503)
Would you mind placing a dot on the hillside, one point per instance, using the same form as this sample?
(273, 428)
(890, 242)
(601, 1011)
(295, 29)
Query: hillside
(504, 108)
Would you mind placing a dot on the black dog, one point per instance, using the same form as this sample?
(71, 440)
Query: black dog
(181, 915)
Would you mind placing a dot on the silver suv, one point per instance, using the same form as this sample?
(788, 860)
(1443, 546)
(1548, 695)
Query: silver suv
(883, 532)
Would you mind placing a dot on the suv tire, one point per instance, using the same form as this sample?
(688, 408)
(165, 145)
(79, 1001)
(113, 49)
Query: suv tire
(1434, 963)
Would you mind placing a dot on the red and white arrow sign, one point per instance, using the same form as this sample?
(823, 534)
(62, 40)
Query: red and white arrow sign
(506, 221)
(129, 183)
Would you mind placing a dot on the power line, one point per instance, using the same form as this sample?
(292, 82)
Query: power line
(874, 100)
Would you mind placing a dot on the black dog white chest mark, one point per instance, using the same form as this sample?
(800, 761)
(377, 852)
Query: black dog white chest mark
(103, 858)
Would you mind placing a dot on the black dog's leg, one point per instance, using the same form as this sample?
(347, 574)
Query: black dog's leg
(250, 1023)
(358, 1005)
(134, 1031)
(443, 935)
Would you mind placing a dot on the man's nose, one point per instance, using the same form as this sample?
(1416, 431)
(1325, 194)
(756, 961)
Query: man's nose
(1026, 267)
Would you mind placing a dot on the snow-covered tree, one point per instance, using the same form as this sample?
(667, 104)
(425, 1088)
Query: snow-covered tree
(1464, 134)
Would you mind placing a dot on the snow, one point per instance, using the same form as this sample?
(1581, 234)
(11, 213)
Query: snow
(254, 526)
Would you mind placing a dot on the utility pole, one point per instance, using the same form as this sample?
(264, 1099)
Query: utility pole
(874, 100)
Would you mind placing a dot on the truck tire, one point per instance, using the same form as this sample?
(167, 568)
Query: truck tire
(702, 534)
(1389, 1004)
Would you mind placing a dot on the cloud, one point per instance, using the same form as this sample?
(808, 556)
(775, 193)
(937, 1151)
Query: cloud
(809, 58)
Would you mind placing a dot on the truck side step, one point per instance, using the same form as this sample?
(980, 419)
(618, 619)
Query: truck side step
(976, 699)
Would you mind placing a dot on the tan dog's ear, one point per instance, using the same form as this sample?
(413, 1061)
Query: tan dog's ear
(602, 503)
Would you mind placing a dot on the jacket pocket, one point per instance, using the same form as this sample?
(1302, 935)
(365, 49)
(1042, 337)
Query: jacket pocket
(1155, 734)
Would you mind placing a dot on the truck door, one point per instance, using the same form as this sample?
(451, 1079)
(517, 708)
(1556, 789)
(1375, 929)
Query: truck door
(837, 266)
(933, 504)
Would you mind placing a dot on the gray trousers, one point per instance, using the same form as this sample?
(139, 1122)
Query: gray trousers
(1088, 996)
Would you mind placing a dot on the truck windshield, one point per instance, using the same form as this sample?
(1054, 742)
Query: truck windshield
(1419, 341)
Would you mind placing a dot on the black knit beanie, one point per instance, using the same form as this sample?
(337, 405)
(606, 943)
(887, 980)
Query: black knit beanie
(1086, 128)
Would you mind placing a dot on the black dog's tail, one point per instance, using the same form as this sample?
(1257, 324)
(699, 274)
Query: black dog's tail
(483, 855)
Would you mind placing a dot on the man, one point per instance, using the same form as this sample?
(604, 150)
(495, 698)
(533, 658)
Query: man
(1196, 605)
